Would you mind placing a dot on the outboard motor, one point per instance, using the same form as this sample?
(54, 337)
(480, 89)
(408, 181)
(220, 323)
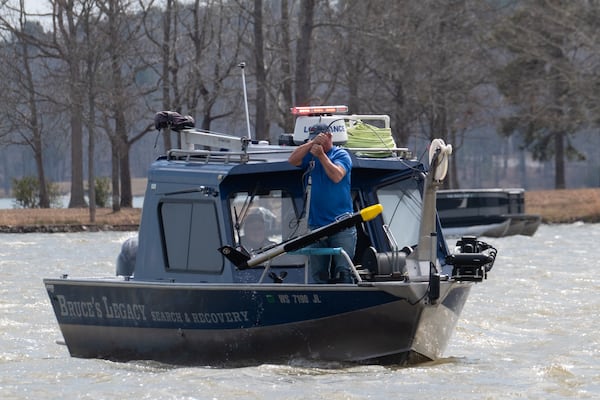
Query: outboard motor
(473, 259)
(126, 259)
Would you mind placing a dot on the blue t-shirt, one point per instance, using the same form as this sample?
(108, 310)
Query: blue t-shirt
(328, 200)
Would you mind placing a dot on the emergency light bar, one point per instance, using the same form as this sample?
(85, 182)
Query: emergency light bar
(315, 110)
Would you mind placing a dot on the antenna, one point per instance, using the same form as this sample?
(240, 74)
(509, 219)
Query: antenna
(242, 65)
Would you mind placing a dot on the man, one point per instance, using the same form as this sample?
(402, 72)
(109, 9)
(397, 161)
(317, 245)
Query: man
(255, 232)
(330, 199)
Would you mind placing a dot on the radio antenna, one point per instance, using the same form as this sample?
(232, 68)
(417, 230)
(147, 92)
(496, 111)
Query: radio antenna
(242, 65)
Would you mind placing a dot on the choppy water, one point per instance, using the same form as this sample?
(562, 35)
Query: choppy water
(531, 331)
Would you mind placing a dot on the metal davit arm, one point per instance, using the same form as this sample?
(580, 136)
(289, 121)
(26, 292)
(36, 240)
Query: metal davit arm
(439, 153)
(192, 137)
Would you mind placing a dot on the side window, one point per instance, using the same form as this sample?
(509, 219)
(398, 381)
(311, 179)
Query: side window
(190, 235)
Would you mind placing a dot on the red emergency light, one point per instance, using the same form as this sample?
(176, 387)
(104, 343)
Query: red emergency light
(319, 110)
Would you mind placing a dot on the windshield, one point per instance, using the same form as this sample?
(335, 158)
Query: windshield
(402, 205)
(272, 211)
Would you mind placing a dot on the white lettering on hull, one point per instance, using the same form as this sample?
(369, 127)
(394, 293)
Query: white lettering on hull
(106, 309)
(220, 318)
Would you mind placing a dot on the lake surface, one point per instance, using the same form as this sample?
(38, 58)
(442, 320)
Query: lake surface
(531, 331)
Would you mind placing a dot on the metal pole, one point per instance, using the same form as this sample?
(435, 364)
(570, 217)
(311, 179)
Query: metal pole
(242, 65)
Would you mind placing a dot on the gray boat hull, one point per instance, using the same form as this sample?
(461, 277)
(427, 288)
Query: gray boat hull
(208, 324)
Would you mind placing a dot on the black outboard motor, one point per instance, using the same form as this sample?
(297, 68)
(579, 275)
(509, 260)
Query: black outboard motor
(473, 259)
(126, 259)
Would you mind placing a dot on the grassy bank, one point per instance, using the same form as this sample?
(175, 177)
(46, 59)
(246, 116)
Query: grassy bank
(555, 206)
(564, 206)
(68, 220)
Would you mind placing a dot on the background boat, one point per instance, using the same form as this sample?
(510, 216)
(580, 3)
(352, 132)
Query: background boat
(485, 212)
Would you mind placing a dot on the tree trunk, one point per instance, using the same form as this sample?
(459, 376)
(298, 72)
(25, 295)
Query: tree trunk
(304, 53)
(166, 58)
(39, 163)
(286, 70)
(36, 133)
(559, 161)
(91, 146)
(116, 192)
(261, 125)
(77, 191)
(72, 59)
(91, 174)
(125, 173)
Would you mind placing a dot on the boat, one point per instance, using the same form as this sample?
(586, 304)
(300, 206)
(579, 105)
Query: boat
(485, 212)
(187, 291)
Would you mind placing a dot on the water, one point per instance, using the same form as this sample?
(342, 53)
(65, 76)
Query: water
(529, 332)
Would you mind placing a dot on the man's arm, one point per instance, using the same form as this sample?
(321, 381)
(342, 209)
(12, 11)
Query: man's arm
(334, 172)
(299, 152)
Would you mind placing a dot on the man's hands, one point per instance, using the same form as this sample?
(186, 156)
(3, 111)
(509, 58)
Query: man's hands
(317, 145)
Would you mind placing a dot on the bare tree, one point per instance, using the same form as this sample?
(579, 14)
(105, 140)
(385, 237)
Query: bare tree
(210, 89)
(93, 57)
(65, 46)
(278, 53)
(291, 77)
(542, 80)
(304, 52)
(262, 124)
(419, 62)
(22, 100)
(118, 91)
(160, 30)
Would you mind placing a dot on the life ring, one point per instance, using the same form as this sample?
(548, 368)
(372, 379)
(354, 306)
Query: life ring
(441, 168)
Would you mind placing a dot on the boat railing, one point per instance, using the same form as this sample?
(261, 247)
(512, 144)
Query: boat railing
(263, 155)
(208, 146)
(318, 251)
(225, 157)
(380, 152)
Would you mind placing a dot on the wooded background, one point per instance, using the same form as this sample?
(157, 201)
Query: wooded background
(512, 85)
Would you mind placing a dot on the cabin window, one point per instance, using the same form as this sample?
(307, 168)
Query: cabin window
(402, 204)
(190, 233)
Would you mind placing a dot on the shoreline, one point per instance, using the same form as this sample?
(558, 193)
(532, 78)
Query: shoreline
(564, 206)
(554, 206)
(61, 220)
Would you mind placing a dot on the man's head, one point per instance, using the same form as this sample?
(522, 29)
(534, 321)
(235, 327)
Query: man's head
(255, 232)
(254, 222)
